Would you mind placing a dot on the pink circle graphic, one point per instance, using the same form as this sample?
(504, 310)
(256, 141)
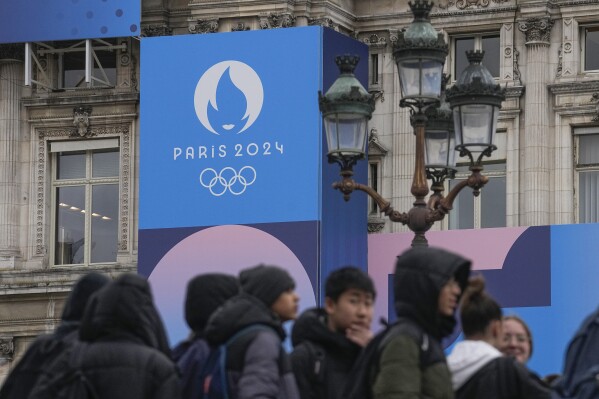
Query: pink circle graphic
(223, 249)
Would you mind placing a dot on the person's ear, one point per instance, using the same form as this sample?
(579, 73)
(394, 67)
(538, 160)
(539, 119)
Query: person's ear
(329, 305)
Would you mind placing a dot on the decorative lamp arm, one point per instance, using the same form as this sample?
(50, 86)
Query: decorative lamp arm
(348, 185)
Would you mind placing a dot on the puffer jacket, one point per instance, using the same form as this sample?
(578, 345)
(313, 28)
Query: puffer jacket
(321, 358)
(124, 351)
(257, 367)
(419, 276)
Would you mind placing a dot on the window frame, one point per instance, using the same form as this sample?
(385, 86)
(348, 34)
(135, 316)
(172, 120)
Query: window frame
(578, 167)
(88, 182)
(583, 42)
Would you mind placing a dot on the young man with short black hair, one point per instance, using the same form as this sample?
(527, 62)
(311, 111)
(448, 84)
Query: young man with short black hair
(328, 340)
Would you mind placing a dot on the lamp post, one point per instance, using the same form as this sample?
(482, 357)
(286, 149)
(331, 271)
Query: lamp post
(474, 101)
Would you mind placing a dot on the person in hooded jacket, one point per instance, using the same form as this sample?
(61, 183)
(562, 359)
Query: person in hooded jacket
(479, 369)
(46, 347)
(257, 365)
(327, 341)
(123, 352)
(428, 283)
(205, 294)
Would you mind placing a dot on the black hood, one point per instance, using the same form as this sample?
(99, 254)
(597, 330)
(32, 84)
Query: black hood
(420, 273)
(312, 326)
(124, 310)
(79, 296)
(237, 313)
(205, 293)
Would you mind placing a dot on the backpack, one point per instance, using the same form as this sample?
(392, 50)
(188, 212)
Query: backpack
(580, 378)
(213, 379)
(362, 376)
(73, 383)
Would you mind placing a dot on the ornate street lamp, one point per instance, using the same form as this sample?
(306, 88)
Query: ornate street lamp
(475, 101)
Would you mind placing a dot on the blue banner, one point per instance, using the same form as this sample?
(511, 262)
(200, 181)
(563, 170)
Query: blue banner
(232, 135)
(44, 20)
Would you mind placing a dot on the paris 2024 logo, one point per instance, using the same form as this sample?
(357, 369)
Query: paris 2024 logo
(228, 100)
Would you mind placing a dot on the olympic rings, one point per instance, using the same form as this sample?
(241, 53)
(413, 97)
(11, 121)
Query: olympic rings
(228, 179)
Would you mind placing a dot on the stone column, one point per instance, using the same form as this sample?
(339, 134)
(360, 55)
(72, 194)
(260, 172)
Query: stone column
(11, 82)
(536, 141)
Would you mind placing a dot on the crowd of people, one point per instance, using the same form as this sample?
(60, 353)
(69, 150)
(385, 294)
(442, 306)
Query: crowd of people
(111, 343)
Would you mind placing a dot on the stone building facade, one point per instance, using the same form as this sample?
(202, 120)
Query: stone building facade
(545, 52)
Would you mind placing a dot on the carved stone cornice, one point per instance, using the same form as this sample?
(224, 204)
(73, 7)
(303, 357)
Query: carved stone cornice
(323, 21)
(537, 30)
(278, 20)
(241, 26)
(514, 91)
(375, 224)
(375, 41)
(12, 51)
(443, 13)
(203, 26)
(464, 4)
(156, 30)
(575, 87)
(7, 348)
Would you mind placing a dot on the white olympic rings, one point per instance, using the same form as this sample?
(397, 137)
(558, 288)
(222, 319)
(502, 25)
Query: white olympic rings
(228, 179)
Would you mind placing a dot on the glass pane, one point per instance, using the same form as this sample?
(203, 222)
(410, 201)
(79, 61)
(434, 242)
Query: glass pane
(439, 149)
(105, 163)
(476, 122)
(104, 219)
(493, 198)
(462, 215)
(588, 149)
(374, 179)
(490, 45)
(431, 78)
(461, 62)
(409, 77)
(108, 62)
(70, 165)
(70, 225)
(591, 49)
(74, 69)
(346, 133)
(374, 69)
(588, 204)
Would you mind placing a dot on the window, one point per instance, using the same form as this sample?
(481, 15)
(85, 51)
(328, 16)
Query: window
(587, 168)
(86, 197)
(591, 48)
(489, 43)
(374, 69)
(374, 179)
(70, 60)
(486, 210)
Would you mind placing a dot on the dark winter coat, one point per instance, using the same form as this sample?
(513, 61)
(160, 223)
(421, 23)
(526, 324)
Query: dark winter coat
(321, 358)
(125, 355)
(481, 371)
(47, 347)
(419, 276)
(257, 368)
(205, 293)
